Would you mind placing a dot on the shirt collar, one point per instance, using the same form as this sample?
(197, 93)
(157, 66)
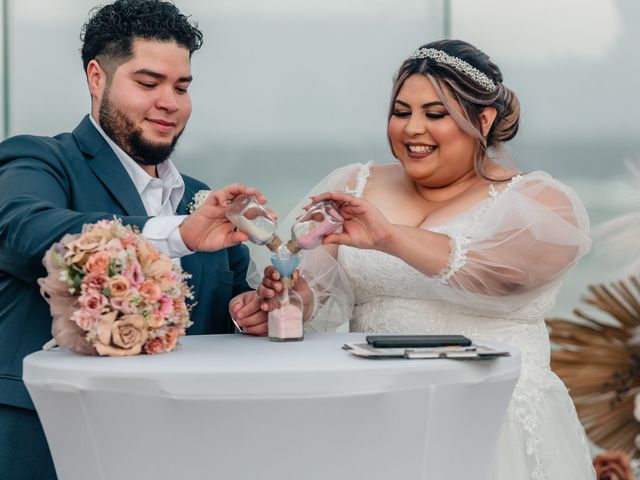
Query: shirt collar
(167, 172)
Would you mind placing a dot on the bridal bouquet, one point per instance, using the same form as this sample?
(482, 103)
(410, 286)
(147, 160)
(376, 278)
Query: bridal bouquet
(112, 293)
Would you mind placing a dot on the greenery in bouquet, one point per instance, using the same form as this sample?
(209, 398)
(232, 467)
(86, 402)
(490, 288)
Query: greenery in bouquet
(112, 293)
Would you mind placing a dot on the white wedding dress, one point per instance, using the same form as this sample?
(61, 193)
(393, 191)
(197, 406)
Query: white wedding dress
(530, 231)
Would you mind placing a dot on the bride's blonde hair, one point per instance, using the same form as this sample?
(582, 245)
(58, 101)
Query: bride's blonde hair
(472, 94)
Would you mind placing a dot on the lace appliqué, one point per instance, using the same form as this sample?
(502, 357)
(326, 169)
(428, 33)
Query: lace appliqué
(527, 405)
(493, 192)
(457, 256)
(364, 172)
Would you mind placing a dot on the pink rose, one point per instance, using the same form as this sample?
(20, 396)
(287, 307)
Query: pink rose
(156, 320)
(84, 319)
(166, 306)
(97, 263)
(165, 343)
(171, 339)
(95, 281)
(92, 302)
(129, 240)
(150, 290)
(155, 346)
(118, 286)
(122, 304)
(134, 275)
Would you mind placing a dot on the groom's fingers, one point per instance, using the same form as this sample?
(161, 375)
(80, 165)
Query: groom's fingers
(233, 190)
(260, 329)
(257, 318)
(249, 308)
(234, 238)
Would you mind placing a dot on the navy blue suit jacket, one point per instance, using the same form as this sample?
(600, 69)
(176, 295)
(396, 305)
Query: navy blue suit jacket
(52, 186)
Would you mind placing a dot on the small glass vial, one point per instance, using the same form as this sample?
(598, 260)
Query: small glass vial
(321, 219)
(249, 216)
(285, 322)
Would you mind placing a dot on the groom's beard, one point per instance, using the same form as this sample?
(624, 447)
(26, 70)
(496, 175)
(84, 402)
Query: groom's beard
(122, 131)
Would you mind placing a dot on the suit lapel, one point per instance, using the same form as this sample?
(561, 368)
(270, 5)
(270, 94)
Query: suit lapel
(107, 167)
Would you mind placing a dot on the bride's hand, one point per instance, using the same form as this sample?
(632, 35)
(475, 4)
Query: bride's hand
(364, 225)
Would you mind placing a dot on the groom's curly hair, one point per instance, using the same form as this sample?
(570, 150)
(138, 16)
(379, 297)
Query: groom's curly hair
(110, 31)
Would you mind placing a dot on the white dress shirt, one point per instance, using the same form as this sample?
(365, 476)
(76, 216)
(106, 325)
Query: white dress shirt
(160, 196)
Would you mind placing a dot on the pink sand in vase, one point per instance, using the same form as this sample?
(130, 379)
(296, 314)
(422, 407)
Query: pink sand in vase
(320, 221)
(285, 323)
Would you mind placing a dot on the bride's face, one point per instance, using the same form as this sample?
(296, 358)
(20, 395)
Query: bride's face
(432, 148)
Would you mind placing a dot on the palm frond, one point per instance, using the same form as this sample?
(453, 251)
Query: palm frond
(597, 357)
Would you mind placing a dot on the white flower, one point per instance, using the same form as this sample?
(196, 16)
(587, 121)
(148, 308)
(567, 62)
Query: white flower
(198, 199)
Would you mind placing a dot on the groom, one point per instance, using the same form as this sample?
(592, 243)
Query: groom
(136, 56)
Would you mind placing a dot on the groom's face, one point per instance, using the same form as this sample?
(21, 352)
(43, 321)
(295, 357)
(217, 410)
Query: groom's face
(144, 104)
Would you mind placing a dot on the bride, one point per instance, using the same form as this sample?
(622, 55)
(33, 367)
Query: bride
(449, 240)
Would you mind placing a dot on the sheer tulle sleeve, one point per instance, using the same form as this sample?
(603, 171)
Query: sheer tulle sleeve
(522, 239)
(503, 251)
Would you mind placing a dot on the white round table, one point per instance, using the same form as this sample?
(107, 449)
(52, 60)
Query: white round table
(241, 407)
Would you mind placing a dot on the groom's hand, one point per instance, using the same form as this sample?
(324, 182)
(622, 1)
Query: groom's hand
(208, 229)
(247, 315)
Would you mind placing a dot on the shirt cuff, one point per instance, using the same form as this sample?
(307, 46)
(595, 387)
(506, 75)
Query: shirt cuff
(164, 234)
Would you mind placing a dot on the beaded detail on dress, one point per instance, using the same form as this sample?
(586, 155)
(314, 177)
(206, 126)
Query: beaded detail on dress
(363, 175)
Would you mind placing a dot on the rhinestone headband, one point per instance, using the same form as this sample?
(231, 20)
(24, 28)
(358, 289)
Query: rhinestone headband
(463, 67)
